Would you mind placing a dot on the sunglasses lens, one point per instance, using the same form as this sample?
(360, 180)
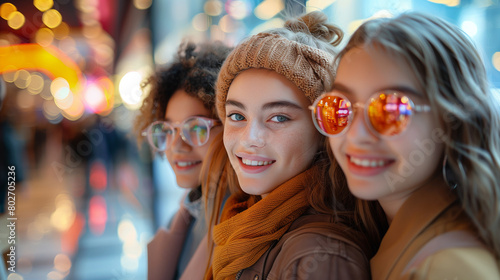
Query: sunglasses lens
(332, 114)
(161, 136)
(195, 131)
(389, 114)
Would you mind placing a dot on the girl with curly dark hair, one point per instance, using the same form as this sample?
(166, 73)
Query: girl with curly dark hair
(178, 119)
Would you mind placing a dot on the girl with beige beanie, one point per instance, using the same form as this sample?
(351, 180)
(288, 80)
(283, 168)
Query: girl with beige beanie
(283, 220)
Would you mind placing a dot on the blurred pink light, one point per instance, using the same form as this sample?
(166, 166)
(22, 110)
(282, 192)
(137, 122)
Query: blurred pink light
(98, 214)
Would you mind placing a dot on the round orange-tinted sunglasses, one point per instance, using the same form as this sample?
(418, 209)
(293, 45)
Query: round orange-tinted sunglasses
(387, 113)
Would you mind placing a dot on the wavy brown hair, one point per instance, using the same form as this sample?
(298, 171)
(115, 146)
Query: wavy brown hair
(452, 78)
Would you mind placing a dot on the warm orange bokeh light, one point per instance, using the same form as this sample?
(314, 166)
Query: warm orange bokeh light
(6, 9)
(48, 60)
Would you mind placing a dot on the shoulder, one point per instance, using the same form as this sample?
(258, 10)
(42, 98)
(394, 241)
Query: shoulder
(319, 254)
(457, 263)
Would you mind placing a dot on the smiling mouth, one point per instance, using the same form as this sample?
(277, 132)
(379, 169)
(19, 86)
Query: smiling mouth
(187, 163)
(256, 163)
(363, 162)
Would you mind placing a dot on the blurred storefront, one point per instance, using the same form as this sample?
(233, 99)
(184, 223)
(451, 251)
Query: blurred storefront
(87, 198)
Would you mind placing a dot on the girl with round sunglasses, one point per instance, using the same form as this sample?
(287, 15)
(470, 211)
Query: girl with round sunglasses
(413, 125)
(283, 220)
(178, 120)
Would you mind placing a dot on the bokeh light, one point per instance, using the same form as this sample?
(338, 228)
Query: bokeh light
(14, 276)
(130, 88)
(313, 5)
(59, 88)
(65, 101)
(98, 214)
(6, 9)
(62, 263)
(9, 73)
(143, 4)
(44, 37)
(95, 98)
(48, 60)
(36, 84)
(237, 9)
(61, 31)
(268, 9)
(450, 3)
(496, 60)
(55, 275)
(201, 22)
(22, 79)
(52, 18)
(469, 27)
(126, 230)
(75, 111)
(51, 112)
(43, 5)
(228, 25)
(16, 20)
(64, 215)
(213, 7)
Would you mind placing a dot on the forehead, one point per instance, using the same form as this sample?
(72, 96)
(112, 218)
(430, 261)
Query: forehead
(255, 87)
(370, 69)
(182, 105)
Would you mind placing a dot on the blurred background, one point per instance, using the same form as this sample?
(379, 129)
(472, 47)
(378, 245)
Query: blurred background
(88, 199)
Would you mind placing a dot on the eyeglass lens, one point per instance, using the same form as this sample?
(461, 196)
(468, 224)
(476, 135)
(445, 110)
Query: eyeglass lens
(194, 131)
(387, 114)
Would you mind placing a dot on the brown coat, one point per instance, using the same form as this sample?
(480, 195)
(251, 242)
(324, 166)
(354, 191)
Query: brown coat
(429, 214)
(311, 250)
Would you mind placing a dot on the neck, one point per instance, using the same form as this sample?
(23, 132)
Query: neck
(392, 204)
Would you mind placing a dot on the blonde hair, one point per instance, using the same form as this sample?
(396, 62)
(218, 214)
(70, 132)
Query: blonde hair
(451, 76)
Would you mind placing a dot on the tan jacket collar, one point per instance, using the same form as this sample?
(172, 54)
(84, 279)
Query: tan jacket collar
(417, 213)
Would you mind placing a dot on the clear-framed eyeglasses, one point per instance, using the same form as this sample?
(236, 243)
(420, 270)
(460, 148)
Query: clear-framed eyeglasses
(195, 131)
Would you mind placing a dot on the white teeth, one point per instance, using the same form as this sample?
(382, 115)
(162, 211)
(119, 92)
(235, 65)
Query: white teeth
(367, 162)
(186, 163)
(255, 163)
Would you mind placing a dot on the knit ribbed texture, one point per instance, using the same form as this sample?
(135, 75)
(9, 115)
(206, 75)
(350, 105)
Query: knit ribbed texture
(245, 233)
(309, 68)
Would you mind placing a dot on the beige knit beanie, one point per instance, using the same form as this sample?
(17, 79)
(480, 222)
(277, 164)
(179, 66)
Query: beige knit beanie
(309, 68)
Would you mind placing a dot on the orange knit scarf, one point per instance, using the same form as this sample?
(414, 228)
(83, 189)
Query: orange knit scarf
(245, 233)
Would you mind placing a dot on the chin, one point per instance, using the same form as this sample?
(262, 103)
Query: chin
(187, 184)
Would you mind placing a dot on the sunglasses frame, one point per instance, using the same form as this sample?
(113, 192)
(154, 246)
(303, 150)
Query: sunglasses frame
(177, 128)
(357, 105)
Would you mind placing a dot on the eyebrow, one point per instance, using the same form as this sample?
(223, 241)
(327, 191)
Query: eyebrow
(267, 106)
(400, 88)
(169, 120)
(235, 103)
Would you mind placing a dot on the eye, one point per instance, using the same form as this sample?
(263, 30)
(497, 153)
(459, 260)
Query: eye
(236, 117)
(280, 118)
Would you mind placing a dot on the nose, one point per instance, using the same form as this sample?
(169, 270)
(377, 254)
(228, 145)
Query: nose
(178, 144)
(253, 135)
(359, 132)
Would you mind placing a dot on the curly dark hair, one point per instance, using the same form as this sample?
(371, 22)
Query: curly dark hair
(194, 69)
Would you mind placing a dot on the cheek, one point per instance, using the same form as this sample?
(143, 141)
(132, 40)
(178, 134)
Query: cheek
(201, 151)
(305, 140)
(170, 155)
(421, 152)
(229, 137)
(335, 147)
